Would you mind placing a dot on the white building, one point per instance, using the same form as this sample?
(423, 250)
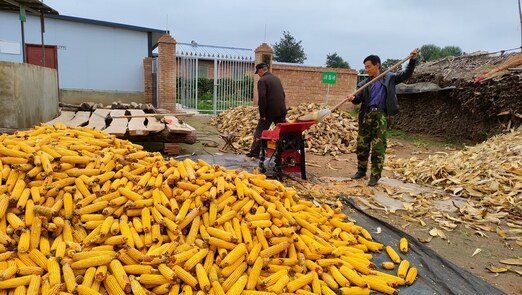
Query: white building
(94, 58)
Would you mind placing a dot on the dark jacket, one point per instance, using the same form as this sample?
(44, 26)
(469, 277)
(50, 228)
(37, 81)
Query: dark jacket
(389, 81)
(271, 96)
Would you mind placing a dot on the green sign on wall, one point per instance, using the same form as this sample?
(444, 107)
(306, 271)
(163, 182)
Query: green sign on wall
(329, 77)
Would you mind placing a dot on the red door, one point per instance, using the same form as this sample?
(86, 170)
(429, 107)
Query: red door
(34, 53)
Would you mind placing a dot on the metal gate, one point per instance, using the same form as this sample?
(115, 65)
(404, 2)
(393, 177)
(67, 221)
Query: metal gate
(212, 79)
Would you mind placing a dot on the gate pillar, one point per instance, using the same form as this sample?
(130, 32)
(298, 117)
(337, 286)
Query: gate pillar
(167, 72)
(263, 53)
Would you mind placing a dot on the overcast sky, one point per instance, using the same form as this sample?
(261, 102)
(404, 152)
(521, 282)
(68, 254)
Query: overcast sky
(353, 29)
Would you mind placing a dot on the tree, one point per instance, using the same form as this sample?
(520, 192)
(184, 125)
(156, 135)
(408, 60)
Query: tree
(289, 50)
(389, 63)
(451, 51)
(335, 61)
(431, 52)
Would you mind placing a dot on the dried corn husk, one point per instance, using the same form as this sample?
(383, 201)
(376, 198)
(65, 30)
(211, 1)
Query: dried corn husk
(336, 134)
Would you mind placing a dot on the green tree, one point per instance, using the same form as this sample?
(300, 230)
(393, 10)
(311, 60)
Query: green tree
(389, 63)
(451, 51)
(431, 52)
(289, 50)
(335, 61)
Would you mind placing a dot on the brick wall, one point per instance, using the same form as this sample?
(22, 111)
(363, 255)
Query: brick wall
(167, 72)
(147, 79)
(304, 84)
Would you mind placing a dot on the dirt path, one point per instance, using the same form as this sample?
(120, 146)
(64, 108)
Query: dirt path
(330, 176)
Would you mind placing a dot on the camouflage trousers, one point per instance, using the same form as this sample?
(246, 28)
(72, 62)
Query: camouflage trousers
(372, 139)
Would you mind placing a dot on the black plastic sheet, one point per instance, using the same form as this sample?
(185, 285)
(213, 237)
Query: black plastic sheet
(436, 275)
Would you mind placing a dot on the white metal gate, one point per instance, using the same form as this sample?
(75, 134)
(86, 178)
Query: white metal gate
(212, 79)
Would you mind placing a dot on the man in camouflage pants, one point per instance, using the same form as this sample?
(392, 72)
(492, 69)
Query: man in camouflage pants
(378, 101)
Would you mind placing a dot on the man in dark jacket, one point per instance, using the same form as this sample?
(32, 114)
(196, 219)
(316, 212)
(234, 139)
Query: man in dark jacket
(271, 103)
(378, 101)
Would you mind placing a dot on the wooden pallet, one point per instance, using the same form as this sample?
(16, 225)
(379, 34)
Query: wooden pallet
(65, 116)
(97, 119)
(118, 126)
(79, 119)
(137, 126)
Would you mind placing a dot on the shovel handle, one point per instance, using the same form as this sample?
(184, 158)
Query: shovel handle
(373, 80)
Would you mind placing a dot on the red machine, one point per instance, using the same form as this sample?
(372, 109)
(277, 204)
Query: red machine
(285, 148)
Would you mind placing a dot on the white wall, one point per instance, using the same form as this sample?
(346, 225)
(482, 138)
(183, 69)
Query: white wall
(90, 57)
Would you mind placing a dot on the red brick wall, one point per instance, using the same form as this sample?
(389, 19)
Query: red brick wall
(147, 79)
(304, 84)
(167, 72)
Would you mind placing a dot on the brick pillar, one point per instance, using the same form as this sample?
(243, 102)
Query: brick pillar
(263, 53)
(167, 72)
(147, 79)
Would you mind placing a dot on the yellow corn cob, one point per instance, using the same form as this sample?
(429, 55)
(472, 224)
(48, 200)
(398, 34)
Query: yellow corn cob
(221, 243)
(167, 272)
(85, 290)
(9, 271)
(88, 277)
(403, 268)
(120, 275)
(185, 276)
(24, 242)
(69, 278)
(234, 276)
(403, 245)
(4, 203)
(227, 271)
(238, 287)
(15, 221)
(15, 282)
(274, 250)
(93, 261)
(411, 275)
(329, 280)
(203, 280)
(392, 254)
(233, 255)
(34, 284)
(153, 279)
(339, 277)
(29, 270)
(130, 194)
(299, 282)
(388, 265)
(195, 259)
(39, 258)
(112, 286)
(217, 288)
(254, 274)
(53, 269)
(380, 286)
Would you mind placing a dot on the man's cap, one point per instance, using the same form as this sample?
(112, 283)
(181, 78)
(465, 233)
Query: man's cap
(260, 66)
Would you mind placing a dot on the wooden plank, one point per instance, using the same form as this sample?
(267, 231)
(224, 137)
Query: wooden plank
(154, 125)
(80, 119)
(136, 125)
(176, 127)
(65, 116)
(97, 120)
(118, 126)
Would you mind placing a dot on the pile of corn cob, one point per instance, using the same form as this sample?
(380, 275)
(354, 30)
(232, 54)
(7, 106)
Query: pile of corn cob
(82, 212)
